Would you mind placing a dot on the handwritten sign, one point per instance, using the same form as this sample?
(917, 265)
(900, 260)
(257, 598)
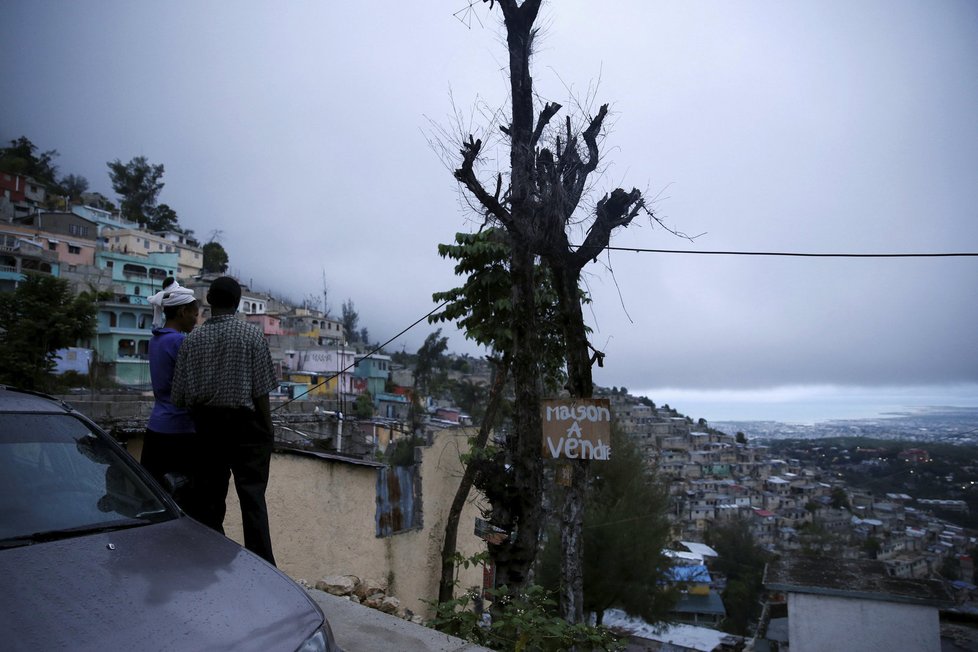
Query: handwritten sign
(577, 429)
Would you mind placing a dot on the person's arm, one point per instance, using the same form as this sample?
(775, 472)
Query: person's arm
(264, 411)
(178, 386)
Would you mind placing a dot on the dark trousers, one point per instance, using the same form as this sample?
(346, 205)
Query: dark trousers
(174, 455)
(234, 442)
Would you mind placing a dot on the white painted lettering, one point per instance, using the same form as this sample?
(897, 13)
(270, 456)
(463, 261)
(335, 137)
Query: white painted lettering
(570, 448)
(554, 451)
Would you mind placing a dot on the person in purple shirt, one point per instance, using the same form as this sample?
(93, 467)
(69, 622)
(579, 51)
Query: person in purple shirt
(169, 446)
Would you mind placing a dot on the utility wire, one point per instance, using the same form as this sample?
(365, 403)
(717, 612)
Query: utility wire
(796, 254)
(791, 253)
(379, 347)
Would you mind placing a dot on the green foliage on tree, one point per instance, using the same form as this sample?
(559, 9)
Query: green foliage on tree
(529, 621)
(215, 258)
(840, 499)
(137, 183)
(350, 318)
(73, 185)
(38, 318)
(22, 157)
(163, 218)
(483, 306)
(742, 561)
(470, 396)
(871, 547)
(363, 407)
(483, 309)
(625, 531)
(430, 358)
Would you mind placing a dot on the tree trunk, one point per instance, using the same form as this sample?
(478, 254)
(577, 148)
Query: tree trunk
(581, 385)
(572, 545)
(514, 556)
(447, 583)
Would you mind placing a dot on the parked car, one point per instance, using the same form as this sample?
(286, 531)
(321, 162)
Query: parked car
(95, 555)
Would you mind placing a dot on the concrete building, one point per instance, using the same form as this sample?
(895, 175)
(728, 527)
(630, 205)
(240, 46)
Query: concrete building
(849, 604)
(372, 373)
(125, 322)
(21, 254)
(189, 257)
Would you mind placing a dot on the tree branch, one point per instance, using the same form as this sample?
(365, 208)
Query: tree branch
(615, 210)
(548, 112)
(466, 176)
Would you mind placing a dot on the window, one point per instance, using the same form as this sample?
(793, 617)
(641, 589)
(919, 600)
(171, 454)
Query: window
(127, 348)
(52, 245)
(136, 290)
(72, 249)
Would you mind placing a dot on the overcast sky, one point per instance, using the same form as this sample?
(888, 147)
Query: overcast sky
(306, 134)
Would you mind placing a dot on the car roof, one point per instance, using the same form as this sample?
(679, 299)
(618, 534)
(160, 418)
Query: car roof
(19, 400)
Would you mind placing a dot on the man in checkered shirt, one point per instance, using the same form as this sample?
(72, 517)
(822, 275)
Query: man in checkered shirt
(223, 375)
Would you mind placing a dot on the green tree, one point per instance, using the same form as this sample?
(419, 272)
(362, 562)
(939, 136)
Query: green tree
(350, 318)
(548, 173)
(482, 308)
(363, 407)
(625, 533)
(38, 318)
(430, 358)
(742, 561)
(22, 157)
(137, 183)
(163, 218)
(840, 499)
(215, 258)
(74, 185)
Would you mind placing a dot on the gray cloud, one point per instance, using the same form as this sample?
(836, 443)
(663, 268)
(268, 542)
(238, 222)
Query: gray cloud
(301, 133)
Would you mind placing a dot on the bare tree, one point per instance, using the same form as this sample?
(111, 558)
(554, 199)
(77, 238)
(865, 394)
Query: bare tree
(549, 169)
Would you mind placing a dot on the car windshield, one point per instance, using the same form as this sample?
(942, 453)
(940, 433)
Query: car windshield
(59, 479)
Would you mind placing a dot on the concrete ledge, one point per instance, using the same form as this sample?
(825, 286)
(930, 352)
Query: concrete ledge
(361, 629)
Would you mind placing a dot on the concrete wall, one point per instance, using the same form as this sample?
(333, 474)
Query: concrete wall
(322, 516)
(818, 622)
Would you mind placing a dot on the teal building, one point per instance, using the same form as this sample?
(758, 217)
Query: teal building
(125, 322)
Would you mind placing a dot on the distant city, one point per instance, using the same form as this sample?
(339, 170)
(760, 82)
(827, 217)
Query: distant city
(951, 425)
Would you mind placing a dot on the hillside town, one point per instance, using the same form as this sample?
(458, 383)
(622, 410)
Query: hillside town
(349, 404)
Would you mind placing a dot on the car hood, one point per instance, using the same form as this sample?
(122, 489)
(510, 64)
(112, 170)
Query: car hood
(166, 586)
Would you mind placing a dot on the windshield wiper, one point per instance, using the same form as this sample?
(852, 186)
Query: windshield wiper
(70, 532)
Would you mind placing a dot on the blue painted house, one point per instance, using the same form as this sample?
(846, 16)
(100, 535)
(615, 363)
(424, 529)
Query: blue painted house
(125, 322)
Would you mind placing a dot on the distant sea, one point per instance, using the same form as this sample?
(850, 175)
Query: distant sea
(806, 405)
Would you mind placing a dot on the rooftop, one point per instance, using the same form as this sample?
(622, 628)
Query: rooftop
(851, 578)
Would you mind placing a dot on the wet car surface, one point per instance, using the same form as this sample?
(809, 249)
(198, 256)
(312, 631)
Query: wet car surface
(94, 555)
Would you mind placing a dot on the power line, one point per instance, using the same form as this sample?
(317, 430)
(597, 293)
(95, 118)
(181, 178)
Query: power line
(793, 253)
(379, 347)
